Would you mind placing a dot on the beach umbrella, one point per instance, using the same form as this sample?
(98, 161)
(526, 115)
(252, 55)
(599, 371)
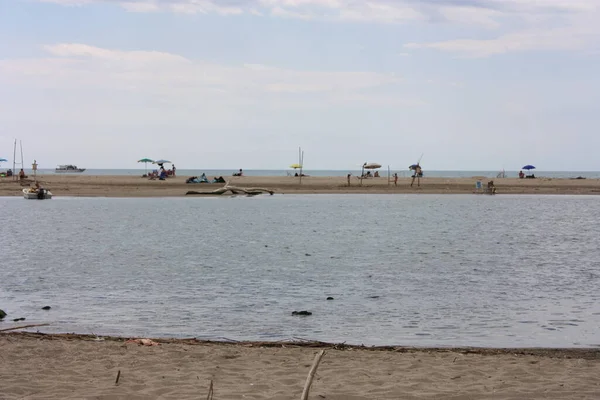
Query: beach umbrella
(528, 167)
(3, 160)
(413, 167)
(371, 166)
(146, 161)
(161, 162)
(296, 166)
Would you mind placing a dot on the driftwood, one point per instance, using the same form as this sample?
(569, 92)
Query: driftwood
(311, 375)
(22, 327)
(211, 391)
(234, 190)
(563, 353)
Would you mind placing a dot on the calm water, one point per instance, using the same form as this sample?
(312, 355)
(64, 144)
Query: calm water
(401, 172)
(412, 270)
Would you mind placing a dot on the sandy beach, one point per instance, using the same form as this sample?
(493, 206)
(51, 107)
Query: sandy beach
(78, 367)
(130, 186)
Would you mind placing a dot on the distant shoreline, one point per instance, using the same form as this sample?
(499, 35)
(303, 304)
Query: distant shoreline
(77, 185)
(402, 173)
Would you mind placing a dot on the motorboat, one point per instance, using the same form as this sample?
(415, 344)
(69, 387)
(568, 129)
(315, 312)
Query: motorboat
(68, 169)
(37, 194)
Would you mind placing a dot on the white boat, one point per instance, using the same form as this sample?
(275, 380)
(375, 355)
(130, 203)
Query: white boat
(37, 194)
(68, 169)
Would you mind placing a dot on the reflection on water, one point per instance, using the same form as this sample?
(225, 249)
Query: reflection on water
(413, 270)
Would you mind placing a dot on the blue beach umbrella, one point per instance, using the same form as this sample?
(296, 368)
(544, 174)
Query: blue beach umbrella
(528, 167)
(3, 160)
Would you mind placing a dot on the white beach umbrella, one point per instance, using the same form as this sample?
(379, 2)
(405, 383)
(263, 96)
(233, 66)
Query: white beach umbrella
(371, 166)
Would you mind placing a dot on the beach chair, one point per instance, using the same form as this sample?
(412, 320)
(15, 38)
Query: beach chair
(478, 187)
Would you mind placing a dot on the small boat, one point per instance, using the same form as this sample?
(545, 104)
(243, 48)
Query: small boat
(68, 169)
(37, 194)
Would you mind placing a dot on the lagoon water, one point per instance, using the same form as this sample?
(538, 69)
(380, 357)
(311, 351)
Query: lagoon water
(424, 270)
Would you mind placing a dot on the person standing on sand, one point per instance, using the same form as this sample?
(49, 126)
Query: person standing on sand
(396, 179)
(349, 175)
(418, 174)
(174, 169)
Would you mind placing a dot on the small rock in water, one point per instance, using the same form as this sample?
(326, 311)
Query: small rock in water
(330, 298)
(304, 313)
(2, 314)
(18, 319)
(46, 308)
(307, 255)
(373, 297)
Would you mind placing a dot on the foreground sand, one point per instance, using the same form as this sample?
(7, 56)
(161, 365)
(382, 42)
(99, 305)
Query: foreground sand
(134, 186)
(76, 367)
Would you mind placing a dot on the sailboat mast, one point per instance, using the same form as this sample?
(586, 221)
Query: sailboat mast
(15, 161)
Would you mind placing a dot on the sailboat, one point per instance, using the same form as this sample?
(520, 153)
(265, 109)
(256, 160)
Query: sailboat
(33, 193)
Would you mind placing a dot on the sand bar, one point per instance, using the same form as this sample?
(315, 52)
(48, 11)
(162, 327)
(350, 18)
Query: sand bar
(129, 186)
(36, 366)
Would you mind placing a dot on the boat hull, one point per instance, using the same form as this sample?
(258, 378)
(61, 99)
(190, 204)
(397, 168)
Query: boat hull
(34, 195)
(69, 171)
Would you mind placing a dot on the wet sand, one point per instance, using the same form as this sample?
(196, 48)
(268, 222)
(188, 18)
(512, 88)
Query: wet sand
(129, 186)
(78, 367)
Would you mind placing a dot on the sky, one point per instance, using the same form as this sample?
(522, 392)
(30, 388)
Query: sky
(470, 84)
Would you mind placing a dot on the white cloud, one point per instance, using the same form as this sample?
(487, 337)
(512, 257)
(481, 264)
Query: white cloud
(140, 7)
(83, 50)
(574, 37)
(179, 80)
(523, 25)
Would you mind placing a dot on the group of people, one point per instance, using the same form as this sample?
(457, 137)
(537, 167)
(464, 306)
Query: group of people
(368, 174)
(204, 179)
(418, 174)
(163, 173)
(9, 172)
(522, 175)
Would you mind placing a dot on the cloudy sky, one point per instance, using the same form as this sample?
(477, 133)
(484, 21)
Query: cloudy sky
(472, 84)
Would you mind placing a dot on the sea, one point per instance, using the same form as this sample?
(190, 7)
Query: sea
(413, 270)
(357, 171)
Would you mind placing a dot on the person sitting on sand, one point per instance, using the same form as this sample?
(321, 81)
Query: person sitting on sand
(240, 173)
(521, 175)
(21, 174)
(491, 188)
(376, 174)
